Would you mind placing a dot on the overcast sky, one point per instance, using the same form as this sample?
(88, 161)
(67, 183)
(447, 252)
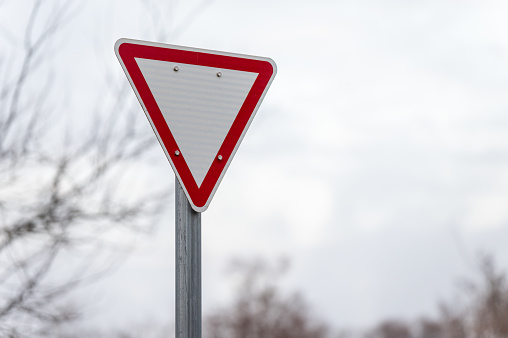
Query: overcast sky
(377, 163)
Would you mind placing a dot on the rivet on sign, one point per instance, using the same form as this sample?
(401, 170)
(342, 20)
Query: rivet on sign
(176, 69)
(219, 157)
(219, 74)
(177, 152)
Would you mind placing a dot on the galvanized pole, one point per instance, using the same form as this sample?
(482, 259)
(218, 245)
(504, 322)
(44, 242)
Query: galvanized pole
(188, 267)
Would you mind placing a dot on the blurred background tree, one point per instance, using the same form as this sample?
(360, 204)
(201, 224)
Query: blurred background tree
(63, 206)
(260, 307)
(480, 311)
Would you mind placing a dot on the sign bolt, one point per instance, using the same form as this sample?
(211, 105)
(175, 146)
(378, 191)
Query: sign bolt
(177, 152)
(176, 69)
(219, 157)
(219, 74)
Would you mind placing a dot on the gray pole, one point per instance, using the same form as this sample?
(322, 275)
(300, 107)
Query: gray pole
(188, 267)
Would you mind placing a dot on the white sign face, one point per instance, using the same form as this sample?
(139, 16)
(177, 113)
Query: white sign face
(199, 106)
(200, 103)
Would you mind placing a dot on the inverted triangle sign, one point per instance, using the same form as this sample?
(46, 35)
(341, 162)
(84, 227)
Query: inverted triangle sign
(200, 104)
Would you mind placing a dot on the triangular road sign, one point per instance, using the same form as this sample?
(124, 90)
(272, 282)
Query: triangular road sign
(200, 104)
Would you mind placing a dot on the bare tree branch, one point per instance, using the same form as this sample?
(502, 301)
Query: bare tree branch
(54, 202)
(261, 309)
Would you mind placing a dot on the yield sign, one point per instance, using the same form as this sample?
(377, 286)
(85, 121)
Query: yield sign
(200, 104)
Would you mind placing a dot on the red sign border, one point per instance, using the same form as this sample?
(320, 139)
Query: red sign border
(127, 50)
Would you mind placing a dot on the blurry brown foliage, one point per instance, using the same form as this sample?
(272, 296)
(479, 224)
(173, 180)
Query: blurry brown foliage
(262, 309)
(391, 329)
(483, 314)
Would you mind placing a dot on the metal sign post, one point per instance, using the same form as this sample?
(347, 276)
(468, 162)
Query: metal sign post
(188, 267)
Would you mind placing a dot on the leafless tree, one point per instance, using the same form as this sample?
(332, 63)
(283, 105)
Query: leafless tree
(484, 313)
(62, 191)
(480, 312)
(490, 301)
(391, 329)
(262, 309)
(428, 328)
